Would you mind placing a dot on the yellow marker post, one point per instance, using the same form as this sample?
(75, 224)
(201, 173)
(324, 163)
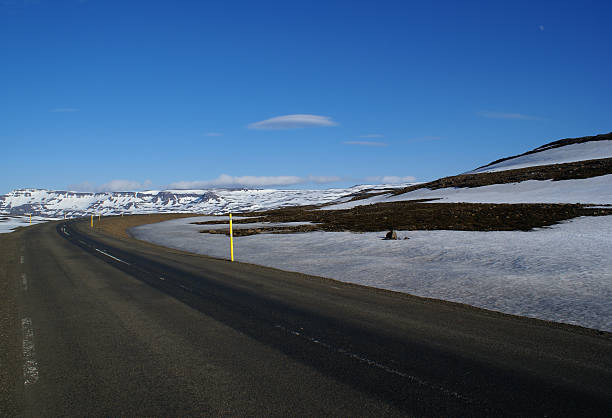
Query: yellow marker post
(98, 219)
(92, 221)
(231, 239)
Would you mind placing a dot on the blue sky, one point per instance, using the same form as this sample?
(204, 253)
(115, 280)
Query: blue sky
(99, 95)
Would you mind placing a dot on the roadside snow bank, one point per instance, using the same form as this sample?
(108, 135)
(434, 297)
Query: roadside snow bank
(8, 223)
(562, 273)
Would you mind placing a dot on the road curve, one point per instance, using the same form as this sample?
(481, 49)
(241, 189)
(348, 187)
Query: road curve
(97, 325)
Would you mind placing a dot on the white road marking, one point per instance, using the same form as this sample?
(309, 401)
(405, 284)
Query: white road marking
(84, 243)
(373, 363)
(24, 281)
(161, 278)
(21, 259)
(30, 366)
(114, 258)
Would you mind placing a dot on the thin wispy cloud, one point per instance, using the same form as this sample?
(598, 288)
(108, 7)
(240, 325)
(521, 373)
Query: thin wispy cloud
(30, 2)
(64, 110)
(323, 179)
(228, 181)
(18, 2)
(366, 143)
(225, 180)
(111, 186)
(371, 136)
(541, 28)
(504, 115)
(293, 122)
(425, 138)
(390, 179)
(213, 134)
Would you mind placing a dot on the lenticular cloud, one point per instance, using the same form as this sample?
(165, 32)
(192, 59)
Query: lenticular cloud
(293, 122)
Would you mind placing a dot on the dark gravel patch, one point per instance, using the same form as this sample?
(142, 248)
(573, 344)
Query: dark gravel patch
(416, 215)
(263, 230)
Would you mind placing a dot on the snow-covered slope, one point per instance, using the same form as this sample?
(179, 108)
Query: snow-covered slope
(591, 150)
(595, 190)
(582, 183)
(57, 204)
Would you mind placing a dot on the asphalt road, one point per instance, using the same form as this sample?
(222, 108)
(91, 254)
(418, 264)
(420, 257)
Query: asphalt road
(94, 325)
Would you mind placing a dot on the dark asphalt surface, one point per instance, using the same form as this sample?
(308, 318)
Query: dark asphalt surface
(120, 327)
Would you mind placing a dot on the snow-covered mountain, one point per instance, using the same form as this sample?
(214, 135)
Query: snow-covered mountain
(559, 152)
(57, 204)
(572, 170)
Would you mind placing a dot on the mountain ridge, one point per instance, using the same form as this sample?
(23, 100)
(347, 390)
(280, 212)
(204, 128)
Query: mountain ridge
(60, 203)
(585, 162)
(551, 145)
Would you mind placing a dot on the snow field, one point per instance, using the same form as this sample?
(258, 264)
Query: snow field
(562, 273)
(594, 190)
(8, 223)
(591, 150)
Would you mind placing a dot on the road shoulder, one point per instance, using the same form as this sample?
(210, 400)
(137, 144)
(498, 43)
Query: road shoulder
(11, 379)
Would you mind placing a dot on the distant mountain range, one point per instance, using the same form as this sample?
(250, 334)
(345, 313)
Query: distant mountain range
(570, 170)
(57, 204)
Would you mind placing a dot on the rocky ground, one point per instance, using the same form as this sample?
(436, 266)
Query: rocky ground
(415, 215)
(555, 172)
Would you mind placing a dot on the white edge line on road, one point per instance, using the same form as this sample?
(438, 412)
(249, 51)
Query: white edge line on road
(30, 366)
(114, 258)
(21, 260)
(24, 281)
(373, 363)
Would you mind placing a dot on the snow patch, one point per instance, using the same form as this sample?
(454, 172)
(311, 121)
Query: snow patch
(8, 223)
(594, 190)
(559, 273)
(591, 150)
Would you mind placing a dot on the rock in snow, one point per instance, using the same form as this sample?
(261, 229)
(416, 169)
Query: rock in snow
(391, 235)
